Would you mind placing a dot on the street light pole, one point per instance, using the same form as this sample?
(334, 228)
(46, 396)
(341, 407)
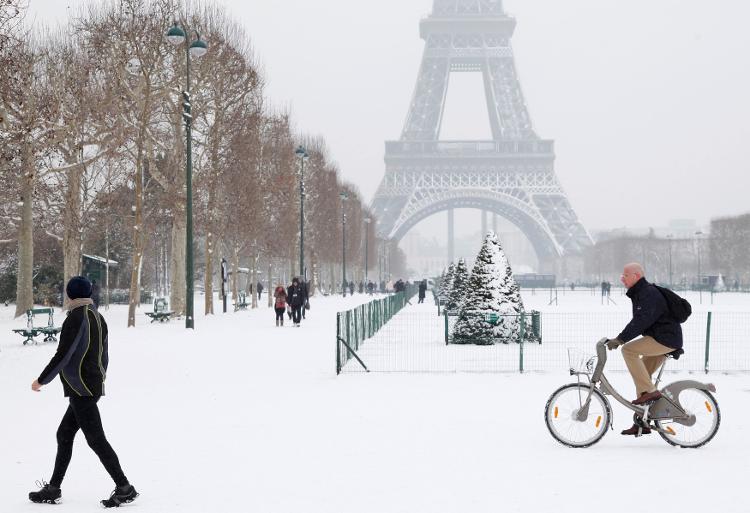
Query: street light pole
(380, 264)
(669, 238)
(343, 242)
(302, 154)
(197, 48)
(367, 236)
(700, 281)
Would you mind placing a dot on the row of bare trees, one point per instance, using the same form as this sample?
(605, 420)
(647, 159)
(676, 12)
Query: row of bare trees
(93, 155)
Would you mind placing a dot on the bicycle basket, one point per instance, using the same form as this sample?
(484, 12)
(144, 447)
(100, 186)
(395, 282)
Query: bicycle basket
(580, 361)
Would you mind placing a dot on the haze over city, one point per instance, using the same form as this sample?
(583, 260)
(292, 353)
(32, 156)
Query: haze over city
(645, 100)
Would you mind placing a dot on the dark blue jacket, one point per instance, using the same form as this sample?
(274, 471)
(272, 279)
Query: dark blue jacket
(651, 317)
(296, 295)
(81, 359)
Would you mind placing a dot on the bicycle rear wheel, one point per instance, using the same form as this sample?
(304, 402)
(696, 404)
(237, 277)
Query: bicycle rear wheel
(702, 405)
(561, 416)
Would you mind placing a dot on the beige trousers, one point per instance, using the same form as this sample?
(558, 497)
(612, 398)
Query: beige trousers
(641, 369)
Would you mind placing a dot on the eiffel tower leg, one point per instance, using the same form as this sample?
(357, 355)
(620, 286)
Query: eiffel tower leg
(450, 236)
(484, 224)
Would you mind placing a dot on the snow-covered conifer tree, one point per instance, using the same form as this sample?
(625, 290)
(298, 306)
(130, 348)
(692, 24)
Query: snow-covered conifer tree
(447, 281)
(491, 289)
(458, 286)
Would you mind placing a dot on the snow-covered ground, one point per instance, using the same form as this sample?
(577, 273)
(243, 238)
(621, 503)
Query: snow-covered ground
(241, 416)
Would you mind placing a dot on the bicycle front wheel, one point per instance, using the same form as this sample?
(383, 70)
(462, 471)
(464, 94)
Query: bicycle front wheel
(701, 406)
(563, 419)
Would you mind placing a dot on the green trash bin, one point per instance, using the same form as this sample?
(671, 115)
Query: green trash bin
(536, 325)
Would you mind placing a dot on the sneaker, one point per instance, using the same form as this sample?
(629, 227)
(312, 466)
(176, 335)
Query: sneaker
(120, 495)
(48, 494)
(633, 430)
(647, 397)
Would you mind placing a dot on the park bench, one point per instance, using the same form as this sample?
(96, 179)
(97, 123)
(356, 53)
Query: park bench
(49, 331)
(241, 302)
(161, 311)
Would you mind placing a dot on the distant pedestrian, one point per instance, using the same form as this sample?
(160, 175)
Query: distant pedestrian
(81, 361)
(422, 290)
(306, 293)
(95, 293)
(351, 288)
(295, 298)
(260, 290)
(279, 304)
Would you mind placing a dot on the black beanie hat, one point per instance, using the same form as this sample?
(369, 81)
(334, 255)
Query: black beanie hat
(78, 287)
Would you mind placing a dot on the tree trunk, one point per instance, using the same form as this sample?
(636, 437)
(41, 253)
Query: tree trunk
(254, 301)
(178, 287)
(138, 243)
(72, 228)
(25, 276)
(235, 272)
(270, 285)
(208, 279)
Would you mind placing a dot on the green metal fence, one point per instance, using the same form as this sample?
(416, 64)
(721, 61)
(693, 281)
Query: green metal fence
(415, 341)
(355, 326)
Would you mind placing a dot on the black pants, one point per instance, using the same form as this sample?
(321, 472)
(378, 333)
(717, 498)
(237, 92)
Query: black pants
(297, 314)
(83, 414)
(280, 313)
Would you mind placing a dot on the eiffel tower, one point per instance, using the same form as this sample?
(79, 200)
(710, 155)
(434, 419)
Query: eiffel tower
(511, 175)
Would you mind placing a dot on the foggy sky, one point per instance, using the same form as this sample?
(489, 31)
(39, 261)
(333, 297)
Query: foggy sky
(647, 101)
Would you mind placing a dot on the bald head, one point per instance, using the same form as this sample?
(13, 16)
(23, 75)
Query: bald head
(631, 273)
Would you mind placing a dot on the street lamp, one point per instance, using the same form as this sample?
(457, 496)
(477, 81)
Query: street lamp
(343, 196)
(303, 156)
(380, 265)
(669, 238)
(367, 236)
(197, 48)
(700, 281)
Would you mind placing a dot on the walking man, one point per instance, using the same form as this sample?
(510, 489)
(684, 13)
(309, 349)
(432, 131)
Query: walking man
(81, 361)
(661, 334)
(295, 297)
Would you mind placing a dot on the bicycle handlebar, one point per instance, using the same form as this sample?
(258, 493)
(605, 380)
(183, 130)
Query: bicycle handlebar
(601, 359)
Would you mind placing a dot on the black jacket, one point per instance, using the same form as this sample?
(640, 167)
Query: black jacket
(81, 359)
(651, 317)
(295, 295)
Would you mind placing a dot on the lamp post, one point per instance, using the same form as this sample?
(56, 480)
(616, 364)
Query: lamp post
(367, 236)
(343, 196)
(380, 265)
(669, 238)
(196, 48)
(700, 281)
(303, 156)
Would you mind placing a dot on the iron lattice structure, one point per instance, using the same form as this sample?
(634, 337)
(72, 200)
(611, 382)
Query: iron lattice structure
(511, 175)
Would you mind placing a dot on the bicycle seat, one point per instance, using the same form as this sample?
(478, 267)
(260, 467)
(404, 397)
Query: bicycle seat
(676, 354)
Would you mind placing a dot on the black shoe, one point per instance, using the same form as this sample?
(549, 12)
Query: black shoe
(47, 495)
(120, 495)
(633, 431)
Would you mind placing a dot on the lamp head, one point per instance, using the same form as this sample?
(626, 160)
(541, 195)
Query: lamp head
(198, 48)
(176, 35)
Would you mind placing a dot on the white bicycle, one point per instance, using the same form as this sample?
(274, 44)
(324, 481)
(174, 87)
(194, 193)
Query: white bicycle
(579, 414)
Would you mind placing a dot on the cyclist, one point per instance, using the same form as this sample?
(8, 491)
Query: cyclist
(661, 334)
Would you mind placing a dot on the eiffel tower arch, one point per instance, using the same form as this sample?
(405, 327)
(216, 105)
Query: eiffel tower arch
(511, 175)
